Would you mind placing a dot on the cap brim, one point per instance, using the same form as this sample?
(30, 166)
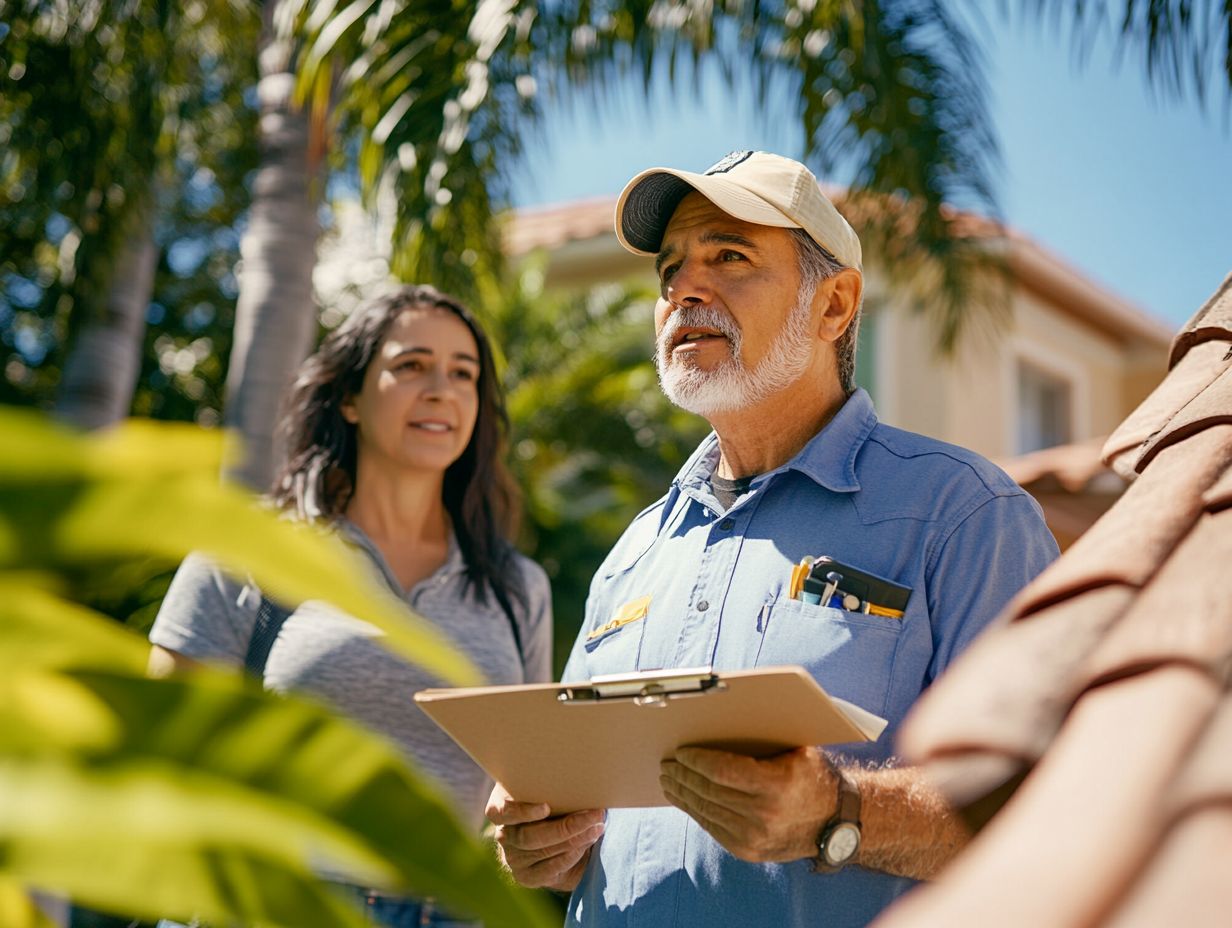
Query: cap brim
(648, 201)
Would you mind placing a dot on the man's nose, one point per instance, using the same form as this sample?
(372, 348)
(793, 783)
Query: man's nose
(689, 285)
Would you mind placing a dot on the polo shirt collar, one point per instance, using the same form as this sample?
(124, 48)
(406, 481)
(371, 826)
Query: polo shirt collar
(455, 563)
(829, 457)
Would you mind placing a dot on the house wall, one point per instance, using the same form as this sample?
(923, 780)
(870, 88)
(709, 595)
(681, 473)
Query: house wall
(971, 398)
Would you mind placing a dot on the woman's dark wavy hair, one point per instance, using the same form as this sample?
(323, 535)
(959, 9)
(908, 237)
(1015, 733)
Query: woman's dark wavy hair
(318, 478)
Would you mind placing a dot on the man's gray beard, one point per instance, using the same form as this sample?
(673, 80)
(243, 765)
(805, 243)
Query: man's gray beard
(730, 386)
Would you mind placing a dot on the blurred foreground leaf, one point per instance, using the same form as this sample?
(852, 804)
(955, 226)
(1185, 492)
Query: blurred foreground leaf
(200, 795)
(146, 488)
(223, 795)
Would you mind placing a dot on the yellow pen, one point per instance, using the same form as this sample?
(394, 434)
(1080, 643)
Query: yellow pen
(798, 575)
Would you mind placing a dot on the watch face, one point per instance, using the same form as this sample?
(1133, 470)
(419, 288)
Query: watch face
(842, 843)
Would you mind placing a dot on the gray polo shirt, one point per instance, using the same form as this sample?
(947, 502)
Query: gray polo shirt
(324, 652)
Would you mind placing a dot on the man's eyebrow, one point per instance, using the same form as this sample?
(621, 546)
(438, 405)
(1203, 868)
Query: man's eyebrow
(709, 238)
(727, 238)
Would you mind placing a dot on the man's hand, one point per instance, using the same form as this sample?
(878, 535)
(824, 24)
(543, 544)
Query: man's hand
(542, 852)
(760, 810)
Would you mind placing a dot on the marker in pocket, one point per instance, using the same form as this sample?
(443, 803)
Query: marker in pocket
(799, 573)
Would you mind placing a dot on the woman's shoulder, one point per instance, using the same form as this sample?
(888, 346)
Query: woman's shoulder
(528, 570)
(207, 613)
(531, 579)
(200, 572)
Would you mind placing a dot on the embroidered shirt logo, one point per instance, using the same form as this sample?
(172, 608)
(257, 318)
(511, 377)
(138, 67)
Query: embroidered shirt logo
(727, 162)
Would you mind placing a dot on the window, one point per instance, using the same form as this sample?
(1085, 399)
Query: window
(1044, 409)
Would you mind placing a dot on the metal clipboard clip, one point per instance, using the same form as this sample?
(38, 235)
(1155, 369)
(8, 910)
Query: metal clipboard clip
(647, 688)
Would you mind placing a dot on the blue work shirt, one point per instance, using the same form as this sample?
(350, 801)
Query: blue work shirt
(931, 516)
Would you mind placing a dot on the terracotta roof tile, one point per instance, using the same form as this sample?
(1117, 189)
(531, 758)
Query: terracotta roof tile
(1207, 777)
(1089, 732)
(1193, 373)
(1085, 824)
(1015, 687)
(1180, 887)
(1133, 538)
(1219, 496)
(1074, 468)
(1211, 406)
(1181, 616)
(553, 226)
(1200, 357)
(1212, 321)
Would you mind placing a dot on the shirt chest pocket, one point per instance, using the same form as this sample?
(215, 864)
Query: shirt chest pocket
(613, 647)
(850, 654)
(614, 641)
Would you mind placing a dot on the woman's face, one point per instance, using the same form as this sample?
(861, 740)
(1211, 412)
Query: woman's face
(420, 397)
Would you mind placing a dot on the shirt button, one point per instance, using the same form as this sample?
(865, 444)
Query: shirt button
(703, 605)
(726, 525)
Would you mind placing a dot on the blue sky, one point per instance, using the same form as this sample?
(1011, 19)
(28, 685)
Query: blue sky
(1133, 191)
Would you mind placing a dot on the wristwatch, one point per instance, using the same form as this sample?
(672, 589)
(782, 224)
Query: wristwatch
(839, 840)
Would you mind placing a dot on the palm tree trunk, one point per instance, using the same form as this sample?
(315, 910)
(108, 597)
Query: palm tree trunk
(100, 373)
(275, 318)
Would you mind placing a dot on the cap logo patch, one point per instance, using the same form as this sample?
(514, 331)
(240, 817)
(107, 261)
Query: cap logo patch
(727, 162)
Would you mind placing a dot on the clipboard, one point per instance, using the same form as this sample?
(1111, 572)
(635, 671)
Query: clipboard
(598, 744)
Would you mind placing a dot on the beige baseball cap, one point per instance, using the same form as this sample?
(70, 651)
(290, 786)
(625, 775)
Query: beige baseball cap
(755, 186)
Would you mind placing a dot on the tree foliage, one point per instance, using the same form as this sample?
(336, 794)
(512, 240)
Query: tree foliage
(105, 106)
(440, 97)
(1184, 46)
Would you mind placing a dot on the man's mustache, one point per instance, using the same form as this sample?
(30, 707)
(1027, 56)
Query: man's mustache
(707, 317)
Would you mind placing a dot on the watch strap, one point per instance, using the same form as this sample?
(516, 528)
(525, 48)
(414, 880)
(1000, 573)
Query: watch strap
(846, 812)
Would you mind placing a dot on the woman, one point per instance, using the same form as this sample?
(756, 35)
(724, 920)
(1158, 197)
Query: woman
(393, 433)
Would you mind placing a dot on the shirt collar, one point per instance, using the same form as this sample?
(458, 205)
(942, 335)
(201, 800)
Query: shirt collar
(829, 457)
(455, 563)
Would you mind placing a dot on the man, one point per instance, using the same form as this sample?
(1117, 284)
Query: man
(761, 291)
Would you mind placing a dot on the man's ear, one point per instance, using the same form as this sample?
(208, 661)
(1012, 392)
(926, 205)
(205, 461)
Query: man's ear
(837, 298)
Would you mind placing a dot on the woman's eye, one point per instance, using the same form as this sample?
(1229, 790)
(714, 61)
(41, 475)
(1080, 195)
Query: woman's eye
(463, 374)
(409, 365)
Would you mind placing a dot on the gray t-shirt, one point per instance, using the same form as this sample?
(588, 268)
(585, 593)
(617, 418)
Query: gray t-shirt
(322, 651)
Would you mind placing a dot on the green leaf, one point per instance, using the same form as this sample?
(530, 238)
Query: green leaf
(230, 795)
(42, 630)
(147, 488)
(131, 839)
(335, 27)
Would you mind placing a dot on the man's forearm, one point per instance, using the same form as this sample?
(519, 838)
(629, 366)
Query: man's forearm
(773, 809)
(908, 828)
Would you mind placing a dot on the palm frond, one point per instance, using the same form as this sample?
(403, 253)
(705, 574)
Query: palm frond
(441, 98)
(1185, 46)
